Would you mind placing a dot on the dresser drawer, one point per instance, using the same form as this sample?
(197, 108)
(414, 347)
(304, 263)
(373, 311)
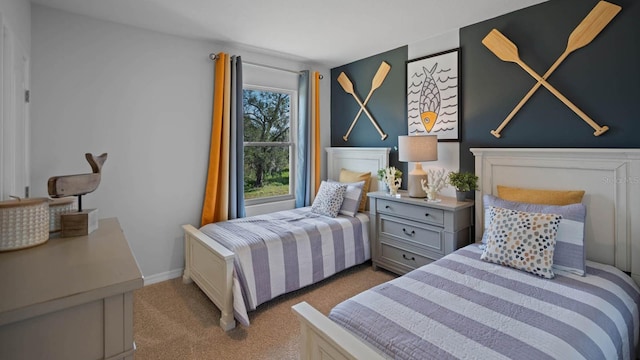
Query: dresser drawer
(410, 211)
(415, 233)
(407, 258)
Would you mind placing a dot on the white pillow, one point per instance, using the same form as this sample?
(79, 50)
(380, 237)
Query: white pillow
(352, 197)
(522, 240)
(329, 199)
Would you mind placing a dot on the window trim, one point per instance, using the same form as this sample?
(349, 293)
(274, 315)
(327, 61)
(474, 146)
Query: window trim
(292, 144)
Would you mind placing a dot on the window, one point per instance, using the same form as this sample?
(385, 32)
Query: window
(269, 134)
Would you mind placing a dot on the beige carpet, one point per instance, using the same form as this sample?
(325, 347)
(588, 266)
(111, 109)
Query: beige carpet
(177, 321)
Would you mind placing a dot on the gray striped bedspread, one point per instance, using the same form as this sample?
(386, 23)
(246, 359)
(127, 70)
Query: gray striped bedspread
(460, 307)
(284, 251)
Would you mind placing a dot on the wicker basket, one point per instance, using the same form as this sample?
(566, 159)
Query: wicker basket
(23, 223)
(58, 207)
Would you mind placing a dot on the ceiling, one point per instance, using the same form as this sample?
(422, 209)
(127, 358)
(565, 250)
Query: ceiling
(326, 32)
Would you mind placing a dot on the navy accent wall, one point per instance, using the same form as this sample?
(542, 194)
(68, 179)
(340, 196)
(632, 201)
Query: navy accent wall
(387, 105)
(602, 79)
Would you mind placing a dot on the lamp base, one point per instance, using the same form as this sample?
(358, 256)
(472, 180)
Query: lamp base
(414, 186)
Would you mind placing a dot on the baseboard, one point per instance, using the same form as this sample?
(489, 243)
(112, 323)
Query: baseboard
(168, 275)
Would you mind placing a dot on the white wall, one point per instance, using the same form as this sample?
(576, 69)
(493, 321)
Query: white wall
(144, 98)
(17, 13)
(448, 152)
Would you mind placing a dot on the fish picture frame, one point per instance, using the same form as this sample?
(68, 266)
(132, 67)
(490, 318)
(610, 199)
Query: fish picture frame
(433, 95)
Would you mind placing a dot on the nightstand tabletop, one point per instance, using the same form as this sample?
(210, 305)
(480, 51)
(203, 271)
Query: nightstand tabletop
(446, 203)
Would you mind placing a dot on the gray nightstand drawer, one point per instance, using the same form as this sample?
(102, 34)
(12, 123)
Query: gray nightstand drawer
(415, 233)
(404, 257)
(409, 232)
(410, 211)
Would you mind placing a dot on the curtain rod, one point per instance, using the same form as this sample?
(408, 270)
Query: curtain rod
(213, 56)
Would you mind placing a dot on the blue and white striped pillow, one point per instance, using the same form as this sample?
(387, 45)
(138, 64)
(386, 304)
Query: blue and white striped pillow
(570, 252)
(352, 197)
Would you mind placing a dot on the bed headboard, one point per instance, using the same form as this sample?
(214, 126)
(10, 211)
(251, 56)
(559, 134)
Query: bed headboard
(610, 178)
(359, 159)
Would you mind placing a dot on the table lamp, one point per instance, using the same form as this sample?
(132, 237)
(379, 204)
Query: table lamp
(417, 149)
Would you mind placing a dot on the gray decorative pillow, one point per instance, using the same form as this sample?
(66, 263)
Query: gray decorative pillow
(329, 199)
(522, 240)
(570, 253)
(352, 197)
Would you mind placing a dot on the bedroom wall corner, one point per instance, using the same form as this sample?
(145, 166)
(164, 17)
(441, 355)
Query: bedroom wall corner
(143, 97)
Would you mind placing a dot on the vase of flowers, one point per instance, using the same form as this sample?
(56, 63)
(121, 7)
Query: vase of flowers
(391, 177)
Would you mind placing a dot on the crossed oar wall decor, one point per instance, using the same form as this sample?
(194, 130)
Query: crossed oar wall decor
(377, 81)
(581, 36)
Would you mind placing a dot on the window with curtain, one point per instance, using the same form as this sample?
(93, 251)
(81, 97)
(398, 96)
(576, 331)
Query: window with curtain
(270, 118)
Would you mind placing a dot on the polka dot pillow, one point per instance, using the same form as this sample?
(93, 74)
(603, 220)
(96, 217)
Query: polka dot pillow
(329, 199)
(522, 240)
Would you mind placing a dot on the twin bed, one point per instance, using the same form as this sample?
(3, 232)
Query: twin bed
(242, 263)
(463, 307)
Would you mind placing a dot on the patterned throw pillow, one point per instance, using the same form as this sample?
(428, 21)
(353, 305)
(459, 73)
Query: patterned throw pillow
(352, 197)
(522, 240)
(329, 199)
(570, 253)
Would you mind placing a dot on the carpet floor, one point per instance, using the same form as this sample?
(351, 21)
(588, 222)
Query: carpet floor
(173, 320)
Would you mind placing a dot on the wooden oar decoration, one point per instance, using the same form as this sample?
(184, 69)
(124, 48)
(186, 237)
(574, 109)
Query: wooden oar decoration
(599, 17)
(377, 81)
(78, 185)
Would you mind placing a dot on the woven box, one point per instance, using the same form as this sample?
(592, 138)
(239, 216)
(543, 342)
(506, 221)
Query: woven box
(23, 223)
(58, 207)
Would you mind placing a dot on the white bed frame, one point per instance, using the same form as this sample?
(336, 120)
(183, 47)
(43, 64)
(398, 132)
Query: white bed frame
(210, 265)
(611, 180)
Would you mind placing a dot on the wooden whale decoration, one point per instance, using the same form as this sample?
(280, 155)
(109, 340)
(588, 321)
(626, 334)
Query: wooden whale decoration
(80, 184)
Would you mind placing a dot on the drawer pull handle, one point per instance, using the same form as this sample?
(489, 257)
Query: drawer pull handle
(387, 207)
(404, 256)
(408, 233)
(427, 214)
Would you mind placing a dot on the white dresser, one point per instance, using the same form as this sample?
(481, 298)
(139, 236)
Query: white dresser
(70, 298)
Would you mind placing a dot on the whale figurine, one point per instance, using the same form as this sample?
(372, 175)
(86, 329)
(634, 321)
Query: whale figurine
(80, 184)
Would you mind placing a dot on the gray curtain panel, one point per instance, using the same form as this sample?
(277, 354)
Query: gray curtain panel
(303, 165)
(236, 151)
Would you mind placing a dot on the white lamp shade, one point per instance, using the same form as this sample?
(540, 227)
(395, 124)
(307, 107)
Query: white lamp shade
(417, 148)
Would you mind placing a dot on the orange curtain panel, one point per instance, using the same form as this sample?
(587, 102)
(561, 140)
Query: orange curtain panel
(213, 197)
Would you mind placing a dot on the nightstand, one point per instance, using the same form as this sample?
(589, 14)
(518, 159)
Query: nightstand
(407, 233)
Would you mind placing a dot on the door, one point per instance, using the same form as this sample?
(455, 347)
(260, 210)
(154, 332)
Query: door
(14, 116)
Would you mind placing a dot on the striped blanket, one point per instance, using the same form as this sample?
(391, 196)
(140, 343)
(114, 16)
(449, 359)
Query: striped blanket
(284, 251)
(465, 308)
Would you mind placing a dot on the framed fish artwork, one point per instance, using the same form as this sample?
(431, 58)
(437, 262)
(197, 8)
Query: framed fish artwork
(433, 95)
